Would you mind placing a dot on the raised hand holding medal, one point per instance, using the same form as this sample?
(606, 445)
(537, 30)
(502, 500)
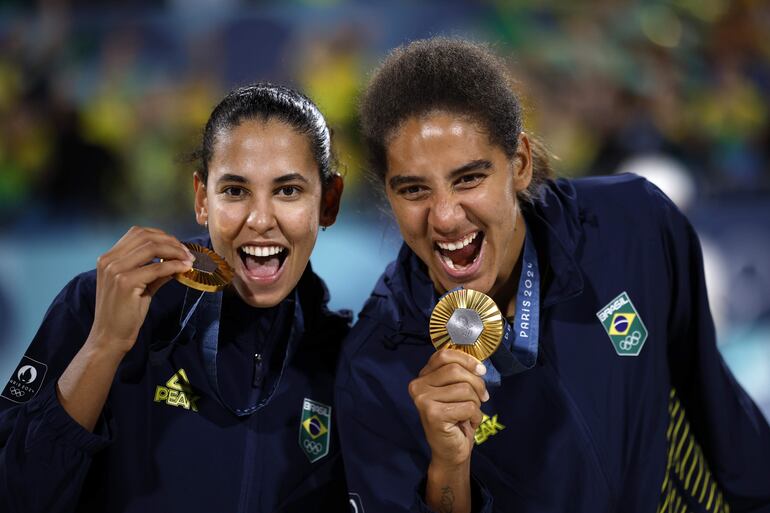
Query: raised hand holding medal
(470, 321)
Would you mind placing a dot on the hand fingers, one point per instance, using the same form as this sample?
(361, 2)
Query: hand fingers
(137, 238)
(470, 426)
(453, 393)
(144, 277)
(447, 356)
(454, 373)
(146, 253)
(150, 235)
(437, 414)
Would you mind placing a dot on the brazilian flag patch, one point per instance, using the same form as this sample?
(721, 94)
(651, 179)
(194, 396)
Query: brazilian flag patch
(315, 429)
(623, 325)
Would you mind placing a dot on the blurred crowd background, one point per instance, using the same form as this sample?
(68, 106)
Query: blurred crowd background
(101, 102)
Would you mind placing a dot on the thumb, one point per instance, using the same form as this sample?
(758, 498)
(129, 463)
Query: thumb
(467, 429)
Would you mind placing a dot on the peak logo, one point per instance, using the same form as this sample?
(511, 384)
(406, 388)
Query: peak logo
(177, 392)
(489, 426)
(25, 381)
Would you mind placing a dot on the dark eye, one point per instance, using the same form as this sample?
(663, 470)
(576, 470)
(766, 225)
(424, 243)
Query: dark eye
(412, 192)
(470, 180)
(234, 191)
(288, 191)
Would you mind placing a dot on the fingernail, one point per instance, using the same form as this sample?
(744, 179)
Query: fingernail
(480, 369)
(486, 396)
(188, 263)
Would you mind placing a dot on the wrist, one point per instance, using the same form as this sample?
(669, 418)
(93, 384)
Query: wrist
(103, 347)
(448, 488)
(444, 471)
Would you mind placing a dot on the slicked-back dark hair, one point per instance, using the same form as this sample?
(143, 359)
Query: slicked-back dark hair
(449, 74)
(267, 101)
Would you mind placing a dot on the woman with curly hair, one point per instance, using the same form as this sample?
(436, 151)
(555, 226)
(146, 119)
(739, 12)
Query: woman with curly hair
(607, 393)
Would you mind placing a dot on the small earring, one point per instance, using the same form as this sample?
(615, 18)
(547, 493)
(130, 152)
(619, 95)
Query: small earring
(323, 228)
(206, 223)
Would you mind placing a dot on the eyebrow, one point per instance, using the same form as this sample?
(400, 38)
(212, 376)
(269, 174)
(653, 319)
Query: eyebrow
(470, 166)
(400, 180)
(290, 178)
(227, 177)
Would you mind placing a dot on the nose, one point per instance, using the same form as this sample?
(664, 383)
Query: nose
(261, 217)
(445, 214)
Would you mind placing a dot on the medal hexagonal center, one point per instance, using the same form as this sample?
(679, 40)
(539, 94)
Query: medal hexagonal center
(464, 326)
(203, 263)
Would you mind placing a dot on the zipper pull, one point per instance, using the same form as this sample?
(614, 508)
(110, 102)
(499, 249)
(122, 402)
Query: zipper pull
(257, 381)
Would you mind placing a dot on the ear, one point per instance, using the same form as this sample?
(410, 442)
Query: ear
(201, 201)
(522, 163)
(330, 200)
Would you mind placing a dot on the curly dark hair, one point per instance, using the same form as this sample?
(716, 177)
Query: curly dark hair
(448, 74)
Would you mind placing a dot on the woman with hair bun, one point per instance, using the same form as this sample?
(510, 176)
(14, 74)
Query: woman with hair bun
(139, 394)
(608, 392)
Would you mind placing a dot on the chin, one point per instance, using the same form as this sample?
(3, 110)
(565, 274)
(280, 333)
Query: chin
(261, 299)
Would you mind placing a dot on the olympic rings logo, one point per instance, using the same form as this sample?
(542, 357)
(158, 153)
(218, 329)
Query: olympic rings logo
(630, 341)
(314, 448)
(17, 392)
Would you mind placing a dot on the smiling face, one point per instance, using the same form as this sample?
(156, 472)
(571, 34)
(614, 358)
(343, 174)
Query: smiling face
(263, 202)
(454, 196)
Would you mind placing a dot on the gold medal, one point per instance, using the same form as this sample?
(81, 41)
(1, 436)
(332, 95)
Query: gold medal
(210, 272)
(469, 321)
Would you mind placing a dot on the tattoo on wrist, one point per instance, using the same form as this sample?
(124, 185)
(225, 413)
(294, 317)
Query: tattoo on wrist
(447, 500)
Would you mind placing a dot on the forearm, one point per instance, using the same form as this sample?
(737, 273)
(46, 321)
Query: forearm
(83, 387)
(448, 490)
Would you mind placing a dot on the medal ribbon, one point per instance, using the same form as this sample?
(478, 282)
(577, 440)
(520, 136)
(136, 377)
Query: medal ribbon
(518, 350)
(209, 319)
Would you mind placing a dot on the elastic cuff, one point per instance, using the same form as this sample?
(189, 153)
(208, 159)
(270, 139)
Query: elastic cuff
(54, 425)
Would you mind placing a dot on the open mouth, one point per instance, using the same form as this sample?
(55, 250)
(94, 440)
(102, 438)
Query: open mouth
(460, 256)
(263, 262)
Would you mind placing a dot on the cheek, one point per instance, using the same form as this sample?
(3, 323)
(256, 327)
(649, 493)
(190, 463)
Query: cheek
(299, 223)
(408, 217)
(225, 220)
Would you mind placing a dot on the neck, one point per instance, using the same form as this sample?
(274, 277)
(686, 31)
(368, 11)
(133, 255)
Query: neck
(505, 297)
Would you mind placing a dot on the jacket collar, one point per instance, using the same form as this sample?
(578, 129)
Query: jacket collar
(555, 222)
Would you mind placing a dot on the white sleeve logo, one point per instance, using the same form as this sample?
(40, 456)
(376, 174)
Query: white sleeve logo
(25, 381)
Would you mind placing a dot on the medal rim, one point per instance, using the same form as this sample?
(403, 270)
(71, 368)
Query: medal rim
(492, 334)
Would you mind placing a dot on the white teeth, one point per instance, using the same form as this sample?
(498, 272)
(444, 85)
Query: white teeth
(448, 262)
(262, 251)
(454, 246)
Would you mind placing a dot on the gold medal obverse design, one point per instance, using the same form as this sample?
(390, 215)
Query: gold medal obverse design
(467, 320)
(210, 272)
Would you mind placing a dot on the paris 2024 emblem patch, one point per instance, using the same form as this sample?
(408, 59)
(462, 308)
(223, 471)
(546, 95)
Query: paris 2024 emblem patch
(624, 326)
(26, 381)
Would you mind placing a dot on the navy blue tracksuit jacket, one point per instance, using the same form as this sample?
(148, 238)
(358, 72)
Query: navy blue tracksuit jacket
(166, 440)
(601, 423)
